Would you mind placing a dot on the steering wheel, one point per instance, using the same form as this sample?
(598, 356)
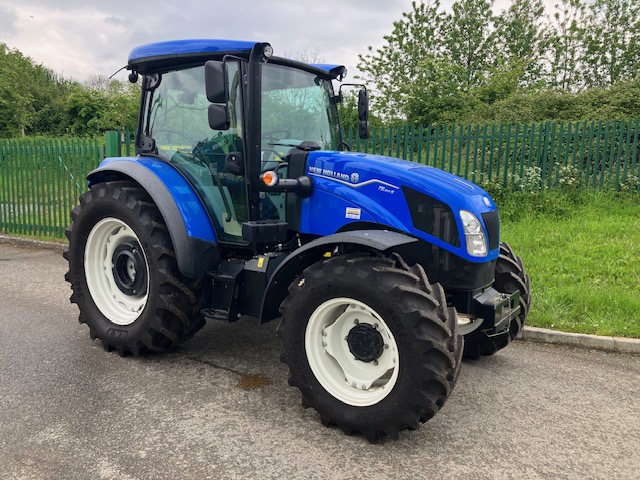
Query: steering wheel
(271, 133)
(194, 144)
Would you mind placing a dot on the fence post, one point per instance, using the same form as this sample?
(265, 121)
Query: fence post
(112, 147)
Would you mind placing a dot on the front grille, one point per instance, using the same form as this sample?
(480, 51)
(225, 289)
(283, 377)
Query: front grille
(492, 222)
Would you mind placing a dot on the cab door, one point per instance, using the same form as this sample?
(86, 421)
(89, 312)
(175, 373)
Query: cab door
(180, 126)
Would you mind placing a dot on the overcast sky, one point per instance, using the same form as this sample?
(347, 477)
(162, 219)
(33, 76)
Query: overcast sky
(78, 38)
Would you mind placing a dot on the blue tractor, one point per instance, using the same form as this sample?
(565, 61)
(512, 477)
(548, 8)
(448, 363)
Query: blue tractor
(243, 199)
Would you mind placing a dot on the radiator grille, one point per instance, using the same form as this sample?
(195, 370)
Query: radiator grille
(492, 222)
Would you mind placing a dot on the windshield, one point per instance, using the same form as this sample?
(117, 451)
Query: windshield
(297, 107)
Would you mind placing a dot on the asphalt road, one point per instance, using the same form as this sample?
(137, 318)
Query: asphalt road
(219, 406)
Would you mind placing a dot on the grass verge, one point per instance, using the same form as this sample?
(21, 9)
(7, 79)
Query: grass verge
(582, 252)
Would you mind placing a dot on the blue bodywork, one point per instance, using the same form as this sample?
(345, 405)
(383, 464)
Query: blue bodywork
(349, 187)
(356, 187)
(194, 214)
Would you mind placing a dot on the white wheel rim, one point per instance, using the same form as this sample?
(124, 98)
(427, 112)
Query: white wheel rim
(117, 306)
(352, 381)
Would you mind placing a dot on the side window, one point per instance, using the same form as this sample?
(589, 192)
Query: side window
(180, 126)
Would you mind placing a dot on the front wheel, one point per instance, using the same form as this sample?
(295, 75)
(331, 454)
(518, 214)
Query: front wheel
(124, 274)
(371, 345)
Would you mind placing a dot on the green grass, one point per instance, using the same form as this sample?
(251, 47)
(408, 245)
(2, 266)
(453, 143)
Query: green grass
(582, 253)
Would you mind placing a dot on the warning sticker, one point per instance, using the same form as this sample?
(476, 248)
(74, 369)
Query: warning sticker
(353, 213)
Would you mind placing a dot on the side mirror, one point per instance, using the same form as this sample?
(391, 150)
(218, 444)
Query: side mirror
(363, 130)
(363, 113)
(216, 80)
(234, 163)
(363, 105)
(219, 117)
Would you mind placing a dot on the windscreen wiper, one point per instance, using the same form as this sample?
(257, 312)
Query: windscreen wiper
(305, 146)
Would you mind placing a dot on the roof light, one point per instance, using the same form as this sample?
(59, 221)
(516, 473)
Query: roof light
(268, 51)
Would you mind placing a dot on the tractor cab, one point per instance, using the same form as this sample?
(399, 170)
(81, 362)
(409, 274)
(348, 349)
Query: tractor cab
(230, 121)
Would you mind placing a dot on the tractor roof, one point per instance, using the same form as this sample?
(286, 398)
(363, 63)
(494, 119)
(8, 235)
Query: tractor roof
(156, 56)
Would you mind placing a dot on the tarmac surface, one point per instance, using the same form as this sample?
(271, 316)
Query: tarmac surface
(219, 406)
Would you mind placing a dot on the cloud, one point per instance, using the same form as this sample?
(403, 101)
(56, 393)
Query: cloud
(9, 18)
(78, 38)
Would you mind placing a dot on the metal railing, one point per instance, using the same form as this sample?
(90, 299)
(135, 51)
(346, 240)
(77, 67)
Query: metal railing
(517, 157)
(41, 179)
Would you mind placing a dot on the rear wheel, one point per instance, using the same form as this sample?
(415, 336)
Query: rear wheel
(370, 347)
(124, 275)
(510, 277)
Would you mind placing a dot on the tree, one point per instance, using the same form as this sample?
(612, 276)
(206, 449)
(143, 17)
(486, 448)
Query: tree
(31, 96)
(469, 40)
(392, 68)
(433, 97)
(566, 45)
(611, 42)
(520, 39)
(16, 110)
(91, 112)
(306, 56)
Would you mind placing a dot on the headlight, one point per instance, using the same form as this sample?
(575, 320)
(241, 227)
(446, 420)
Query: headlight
(474, 234)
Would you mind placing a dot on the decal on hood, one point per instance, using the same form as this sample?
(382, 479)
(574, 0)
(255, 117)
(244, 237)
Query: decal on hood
(352, 180)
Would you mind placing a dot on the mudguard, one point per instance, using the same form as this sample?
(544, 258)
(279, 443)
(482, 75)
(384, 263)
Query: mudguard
(194, 239)
(312, 252)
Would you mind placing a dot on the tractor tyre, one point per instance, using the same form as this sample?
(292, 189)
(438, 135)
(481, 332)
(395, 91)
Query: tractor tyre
(124, 274)
(510, 276)
(371, 345)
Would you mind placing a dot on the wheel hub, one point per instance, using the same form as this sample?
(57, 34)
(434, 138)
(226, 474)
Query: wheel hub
(365, 342)
(129, 269)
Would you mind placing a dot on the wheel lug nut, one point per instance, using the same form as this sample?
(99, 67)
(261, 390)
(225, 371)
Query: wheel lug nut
(386, 346)
(375, 362)
(324, 333)
(356, 321)
(324, 344)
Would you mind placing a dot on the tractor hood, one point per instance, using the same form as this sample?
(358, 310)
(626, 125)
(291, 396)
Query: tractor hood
(357, 187)
(335, 171)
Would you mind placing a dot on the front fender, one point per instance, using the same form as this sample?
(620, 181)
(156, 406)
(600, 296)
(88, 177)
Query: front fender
(293, 265)
(194, 239)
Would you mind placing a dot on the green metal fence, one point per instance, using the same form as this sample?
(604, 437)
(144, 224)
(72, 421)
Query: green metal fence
(41, 179)
(531, 157)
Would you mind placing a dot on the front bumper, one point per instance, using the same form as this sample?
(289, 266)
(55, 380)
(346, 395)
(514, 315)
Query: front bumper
(496, 310)
(489, 310)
